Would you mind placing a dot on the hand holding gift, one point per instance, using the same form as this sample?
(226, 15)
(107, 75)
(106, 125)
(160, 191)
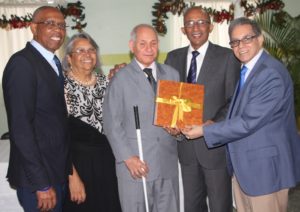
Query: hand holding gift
(195, 131)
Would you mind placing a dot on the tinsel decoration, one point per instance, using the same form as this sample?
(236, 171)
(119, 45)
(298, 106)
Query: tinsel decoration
(73, 10)
(163, 7)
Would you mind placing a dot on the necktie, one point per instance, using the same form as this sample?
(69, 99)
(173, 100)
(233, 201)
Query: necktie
(193, 68)
(150, 77)
(242, 81)
(58, 65)
(242, 76)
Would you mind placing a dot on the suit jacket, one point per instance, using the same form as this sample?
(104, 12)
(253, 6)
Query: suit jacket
(261, 133)
(219, 74)
(131, 87)
(37, 121)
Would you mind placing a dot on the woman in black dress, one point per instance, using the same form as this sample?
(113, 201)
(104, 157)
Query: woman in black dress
(93, 184)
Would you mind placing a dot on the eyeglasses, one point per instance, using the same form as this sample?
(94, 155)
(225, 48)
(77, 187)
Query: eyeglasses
(52, 25)
(84, 51)
(192, 23)
(246, 40)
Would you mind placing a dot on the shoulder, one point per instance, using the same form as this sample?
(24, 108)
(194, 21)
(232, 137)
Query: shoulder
(219, 49)
(273, 67)
(170, 71)
(178, 52)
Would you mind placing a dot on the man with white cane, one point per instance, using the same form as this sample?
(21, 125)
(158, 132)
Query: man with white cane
(135, 85)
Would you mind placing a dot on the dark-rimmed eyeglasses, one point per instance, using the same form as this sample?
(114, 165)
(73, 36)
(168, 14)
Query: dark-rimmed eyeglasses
(246, 40)
(192, 23)
(53, 25)
(84, 51)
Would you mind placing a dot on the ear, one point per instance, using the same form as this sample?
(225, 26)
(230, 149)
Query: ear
(261, 40)
(183, 30)
(211, 27)
(33, 28)
(131, 46)
(69, 60)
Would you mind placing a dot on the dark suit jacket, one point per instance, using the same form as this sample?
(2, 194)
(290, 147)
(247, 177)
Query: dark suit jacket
(219, 74)
(37, 121)
(261, 133)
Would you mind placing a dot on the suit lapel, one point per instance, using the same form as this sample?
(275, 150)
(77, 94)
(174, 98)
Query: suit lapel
(140, 79)
(183, 64)
(47, 70)
(206, 65)
(237, 99)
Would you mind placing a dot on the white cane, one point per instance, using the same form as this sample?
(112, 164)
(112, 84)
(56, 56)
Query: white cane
(139, 141)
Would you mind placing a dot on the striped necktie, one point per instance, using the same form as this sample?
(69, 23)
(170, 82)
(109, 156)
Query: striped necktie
(192, 76)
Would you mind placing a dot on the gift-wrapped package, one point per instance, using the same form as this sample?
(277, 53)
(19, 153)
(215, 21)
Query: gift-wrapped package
(178, 104)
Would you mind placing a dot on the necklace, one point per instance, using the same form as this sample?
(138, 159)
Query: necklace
(86, 83)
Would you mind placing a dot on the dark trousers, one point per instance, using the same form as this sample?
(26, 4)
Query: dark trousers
(28, 199)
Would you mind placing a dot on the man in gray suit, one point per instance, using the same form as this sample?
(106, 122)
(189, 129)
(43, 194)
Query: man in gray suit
(260, 129)
(204, 171)
(127, 88)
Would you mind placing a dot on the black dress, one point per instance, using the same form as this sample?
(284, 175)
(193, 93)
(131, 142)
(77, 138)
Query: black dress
(91, 153)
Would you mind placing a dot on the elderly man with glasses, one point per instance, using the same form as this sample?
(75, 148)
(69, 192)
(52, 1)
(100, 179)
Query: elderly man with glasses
(260, 130)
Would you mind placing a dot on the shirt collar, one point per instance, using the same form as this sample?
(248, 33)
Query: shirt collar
(46, 54)
(152, 66)
(253, 61)
(202, 50)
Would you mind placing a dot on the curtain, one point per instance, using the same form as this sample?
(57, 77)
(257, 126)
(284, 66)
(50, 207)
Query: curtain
(219, 35)
(11, 42)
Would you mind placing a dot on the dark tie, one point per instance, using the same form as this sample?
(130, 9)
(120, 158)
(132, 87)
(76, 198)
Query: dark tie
(59, 68)
(150, 77)
(192, 76)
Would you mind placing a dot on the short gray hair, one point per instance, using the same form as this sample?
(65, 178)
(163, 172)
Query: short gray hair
(137, 27)
(201, 9)
(69, 49)
(244, 21)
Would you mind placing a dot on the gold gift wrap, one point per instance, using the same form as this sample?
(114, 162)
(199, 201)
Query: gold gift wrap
(178, 104)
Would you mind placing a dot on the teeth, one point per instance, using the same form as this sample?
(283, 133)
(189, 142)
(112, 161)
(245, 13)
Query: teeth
(196, 34)
(56, 38)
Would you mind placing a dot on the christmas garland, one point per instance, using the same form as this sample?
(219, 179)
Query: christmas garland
(162, 7)
(74, 10)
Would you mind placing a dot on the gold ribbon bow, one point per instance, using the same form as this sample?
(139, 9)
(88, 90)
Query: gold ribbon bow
(181, 106)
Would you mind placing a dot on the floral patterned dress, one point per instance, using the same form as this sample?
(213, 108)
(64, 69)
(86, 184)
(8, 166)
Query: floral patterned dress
(91, 153)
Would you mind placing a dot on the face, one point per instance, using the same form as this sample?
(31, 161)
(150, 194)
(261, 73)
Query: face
(83, 57)
(245, 51)
(196, 27)
(48, 30)
(145, 47)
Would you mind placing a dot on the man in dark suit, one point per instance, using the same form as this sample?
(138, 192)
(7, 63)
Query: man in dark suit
(127, 88)
(260, 129)
(204, 171)
(37, 116)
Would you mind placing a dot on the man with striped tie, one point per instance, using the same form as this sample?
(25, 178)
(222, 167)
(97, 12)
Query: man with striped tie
(204, 170)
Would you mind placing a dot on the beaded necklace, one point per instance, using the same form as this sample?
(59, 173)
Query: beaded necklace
(86, 83)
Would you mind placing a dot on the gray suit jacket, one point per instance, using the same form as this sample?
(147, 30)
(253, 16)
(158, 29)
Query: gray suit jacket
(261, 133)
(219, 74)
(130, 87)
